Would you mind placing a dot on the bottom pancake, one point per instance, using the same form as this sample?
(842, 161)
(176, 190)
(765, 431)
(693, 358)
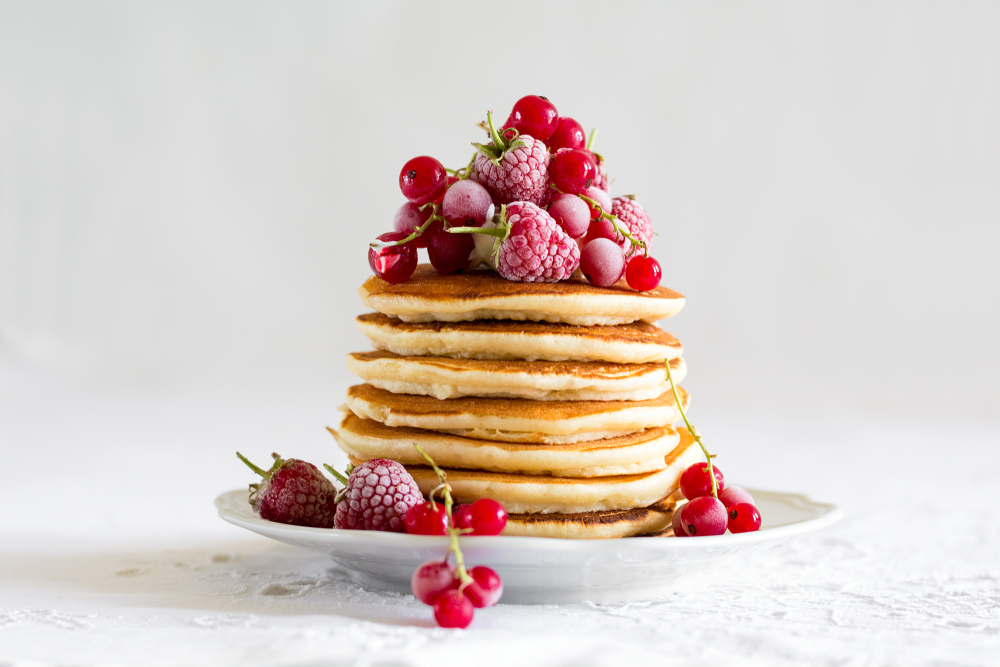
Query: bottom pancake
(608, 524)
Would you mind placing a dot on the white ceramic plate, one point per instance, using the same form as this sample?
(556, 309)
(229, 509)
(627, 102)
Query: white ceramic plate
(539, 570)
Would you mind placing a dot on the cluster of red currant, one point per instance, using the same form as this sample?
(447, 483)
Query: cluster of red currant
(712, 507)
(452, 590)
(537, 194)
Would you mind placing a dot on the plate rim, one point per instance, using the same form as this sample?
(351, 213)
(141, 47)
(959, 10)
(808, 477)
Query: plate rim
(828, 514)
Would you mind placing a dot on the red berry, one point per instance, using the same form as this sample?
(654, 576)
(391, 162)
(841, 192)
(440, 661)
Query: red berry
(535, 116)
(696, 483)
(572, 171)
(484, 517)
(568, 134)
(450, 253)
(734, 495)
(422, 180)
(422, 519)
(601, 229)
(536, 249)
(486, 589)
(453, 610)
(643, 273)
(394, 263)
(677, 524)
(743, 518)
(293, 492)
(602, 262)
(466, 204)
(602, 198)
(571, 213)
(704, 516)
(431, 579)
(409, 217)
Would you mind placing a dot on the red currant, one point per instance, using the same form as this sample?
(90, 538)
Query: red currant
(643, 273)
(743, 518)
(409, 217)
(571, 213)
(431, 579)
(450, 253)
(486, 589)
(453, 610)
(568, 134)
(395, 263)
(678, 525)
(484, 517)
(696, 483)
(535, 116)
(602, 262)
(601, 229)
(573, 171)
(734, 495)
(422, 519)
(704, 516)
(423, 179)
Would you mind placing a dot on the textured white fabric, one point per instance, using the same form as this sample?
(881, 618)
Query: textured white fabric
(111, 553)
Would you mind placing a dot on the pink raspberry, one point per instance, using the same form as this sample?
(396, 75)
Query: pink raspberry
(535, 248)
(601, 180)
(630, 213)
(293, 492)
(379, 493)
(512, 167)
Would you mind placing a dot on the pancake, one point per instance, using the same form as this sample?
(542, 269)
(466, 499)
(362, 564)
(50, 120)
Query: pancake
(535, 494)
(645, 451)
(478, 295)
(444, 378)
(514, 419)
(608, 524)
(635, 343)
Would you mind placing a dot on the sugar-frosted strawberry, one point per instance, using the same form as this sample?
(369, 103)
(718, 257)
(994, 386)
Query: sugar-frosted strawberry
(293, 492)
(630, 214)
(530, 246)
(379, 494)
(514, 167)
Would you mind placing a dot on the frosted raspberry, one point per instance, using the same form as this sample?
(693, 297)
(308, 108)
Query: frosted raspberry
(601, 180)
(630, 213)
(293, 492)
(379, 493)
(536, 249)
(513, 167)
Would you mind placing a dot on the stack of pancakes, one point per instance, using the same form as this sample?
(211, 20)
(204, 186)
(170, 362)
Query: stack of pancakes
(550, 398)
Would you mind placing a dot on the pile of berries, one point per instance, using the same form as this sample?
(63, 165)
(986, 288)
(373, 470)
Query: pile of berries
(537, 193)
(712, 507)
(381, 495)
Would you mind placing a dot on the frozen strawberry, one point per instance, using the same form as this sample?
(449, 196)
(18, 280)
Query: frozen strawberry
(293, 492)
(513, 167)
(379, 494)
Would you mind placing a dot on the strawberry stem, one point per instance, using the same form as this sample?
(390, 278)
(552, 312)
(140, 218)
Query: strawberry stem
(590, 140)
(453, 532)
(340, 478)
(260, 471)
(693, 431)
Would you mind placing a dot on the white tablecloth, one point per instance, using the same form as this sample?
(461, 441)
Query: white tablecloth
(111, 552)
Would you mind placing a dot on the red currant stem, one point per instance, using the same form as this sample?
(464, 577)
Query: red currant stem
(590, 140)
(340, 478)
(452, 531)
(263, 473)
(463, 173)
(693, 431)
(619, 227)
(416, 232)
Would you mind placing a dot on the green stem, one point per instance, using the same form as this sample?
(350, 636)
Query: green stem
(590, 140)
(453, 532)
(495, 231)
(693, 431)
(263, 473)
(619, 227)
(416, 232)
(340, 478)
(498, 141)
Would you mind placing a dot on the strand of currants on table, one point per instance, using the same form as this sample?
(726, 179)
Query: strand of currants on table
(536, 199)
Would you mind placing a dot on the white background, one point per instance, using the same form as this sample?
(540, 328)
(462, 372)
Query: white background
(186, 188)
(186, 193)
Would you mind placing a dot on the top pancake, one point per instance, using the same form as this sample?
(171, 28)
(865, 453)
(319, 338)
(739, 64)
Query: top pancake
(481, 294)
